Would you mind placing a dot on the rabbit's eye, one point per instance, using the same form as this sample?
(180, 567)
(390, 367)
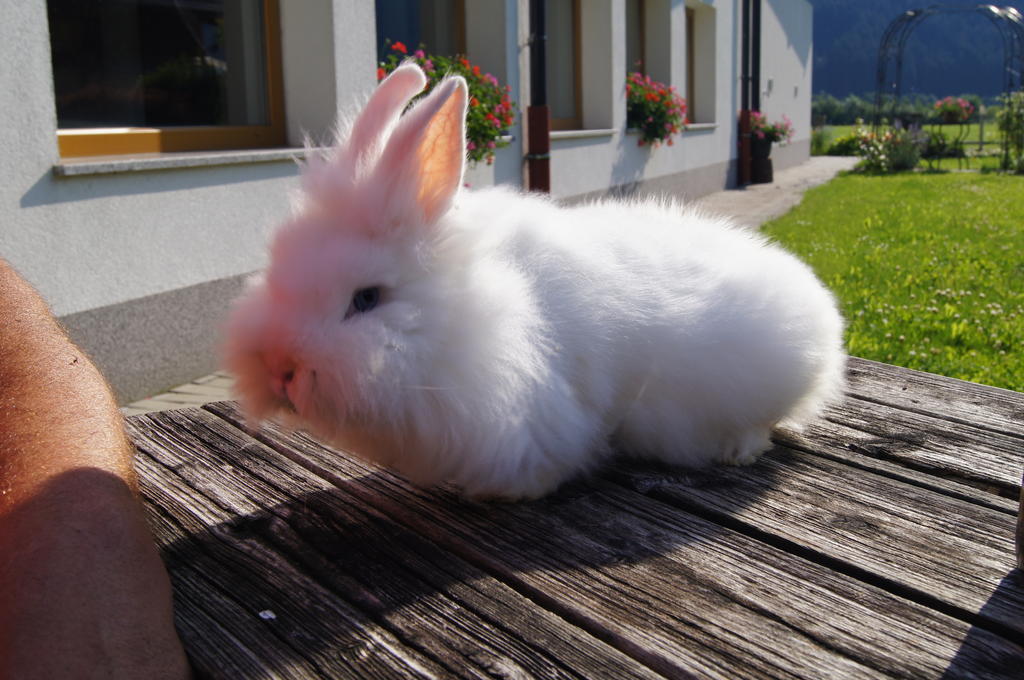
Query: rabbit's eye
(364, 300)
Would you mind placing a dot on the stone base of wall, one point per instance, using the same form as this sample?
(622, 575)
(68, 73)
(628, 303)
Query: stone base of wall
(150, 344)
(790, 155)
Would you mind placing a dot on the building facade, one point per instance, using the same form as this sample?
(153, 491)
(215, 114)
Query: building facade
(139, 230)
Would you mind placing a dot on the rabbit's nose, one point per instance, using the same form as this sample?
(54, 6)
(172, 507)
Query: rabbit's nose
(281, 381)
(282, 372)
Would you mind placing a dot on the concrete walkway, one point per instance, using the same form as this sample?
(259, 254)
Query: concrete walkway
(751, 206)
(756, 204)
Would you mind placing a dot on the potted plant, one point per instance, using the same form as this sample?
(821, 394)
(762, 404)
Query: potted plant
(654, 110)
(954, 109)
(491, 112)
(762, 134)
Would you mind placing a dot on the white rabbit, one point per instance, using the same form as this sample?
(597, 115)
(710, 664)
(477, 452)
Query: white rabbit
(507, 344)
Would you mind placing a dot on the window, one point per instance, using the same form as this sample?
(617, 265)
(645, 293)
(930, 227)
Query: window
(439, 26)
(137, 76)
(691, 54)
(700, 62)
(563, 67)
(635, 57)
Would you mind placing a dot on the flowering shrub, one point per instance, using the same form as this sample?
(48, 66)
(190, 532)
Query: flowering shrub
(889, 151)
(654, 109)
(490, 113)
(1010, 119)
(781, 131)
(954, 109)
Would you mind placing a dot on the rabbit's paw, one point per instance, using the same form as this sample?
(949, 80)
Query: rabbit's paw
(747, 447)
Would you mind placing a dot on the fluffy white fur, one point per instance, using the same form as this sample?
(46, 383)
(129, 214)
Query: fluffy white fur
(518, 342)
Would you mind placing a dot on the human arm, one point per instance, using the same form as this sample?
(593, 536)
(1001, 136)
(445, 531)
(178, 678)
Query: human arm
(83, 592)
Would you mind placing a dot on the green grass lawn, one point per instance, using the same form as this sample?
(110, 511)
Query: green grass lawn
(951, 131)
(928, 268)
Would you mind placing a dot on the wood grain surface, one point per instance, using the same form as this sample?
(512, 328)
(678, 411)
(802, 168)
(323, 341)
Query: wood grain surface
(877, 543)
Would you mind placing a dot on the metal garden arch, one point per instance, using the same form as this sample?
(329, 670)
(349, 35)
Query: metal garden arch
(888, 86)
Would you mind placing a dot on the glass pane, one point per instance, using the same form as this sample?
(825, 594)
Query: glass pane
(634, 36)
(432, 24)
(561, 53)
(158, 63)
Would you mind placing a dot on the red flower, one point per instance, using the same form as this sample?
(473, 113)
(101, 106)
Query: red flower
(473, 101)
(400, 47)
(381, 73)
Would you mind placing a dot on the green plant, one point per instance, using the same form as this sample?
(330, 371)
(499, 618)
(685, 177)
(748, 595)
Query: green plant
(654, 109)
(779, 131)
(893, 150)
(491, 112)
(820, 140)
(1010, 119)
(845, 145)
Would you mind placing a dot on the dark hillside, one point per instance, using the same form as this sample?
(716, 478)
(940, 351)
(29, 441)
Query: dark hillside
(945, 54)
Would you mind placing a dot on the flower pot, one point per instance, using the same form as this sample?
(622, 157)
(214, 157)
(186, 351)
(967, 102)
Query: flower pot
(760, 163)
(760, 148)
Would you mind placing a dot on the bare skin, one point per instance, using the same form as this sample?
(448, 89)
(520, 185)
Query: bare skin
(83, 592)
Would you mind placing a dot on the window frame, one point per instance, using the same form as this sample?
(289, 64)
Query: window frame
(691, 57)
(117, 141)
(573, 122)
(641, 39)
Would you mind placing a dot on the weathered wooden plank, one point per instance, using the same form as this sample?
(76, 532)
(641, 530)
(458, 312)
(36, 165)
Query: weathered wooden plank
(240, 605)
(936, 449)
(689, 595)
(259, 502)
(837, 442)
(915, 541)
(958, 401)
(986, 459)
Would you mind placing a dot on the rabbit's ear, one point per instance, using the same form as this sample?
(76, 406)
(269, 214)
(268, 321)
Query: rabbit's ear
(425, 157)
(383, 109)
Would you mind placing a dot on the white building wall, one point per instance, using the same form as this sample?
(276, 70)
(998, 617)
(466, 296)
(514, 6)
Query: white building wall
(786, 65)
(605, 155)
(140, 258)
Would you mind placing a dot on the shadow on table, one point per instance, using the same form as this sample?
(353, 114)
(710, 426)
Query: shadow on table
(310, 577)
(972, 658)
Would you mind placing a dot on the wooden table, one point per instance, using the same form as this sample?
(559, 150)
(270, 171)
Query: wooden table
(879, 543)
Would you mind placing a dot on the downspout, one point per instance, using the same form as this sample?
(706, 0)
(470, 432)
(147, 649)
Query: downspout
(744, 122)
(750, 80)
(755, 57)
(538, 115)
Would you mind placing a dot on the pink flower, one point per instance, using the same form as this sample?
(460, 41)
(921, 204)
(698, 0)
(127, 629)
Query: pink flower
(470, 146)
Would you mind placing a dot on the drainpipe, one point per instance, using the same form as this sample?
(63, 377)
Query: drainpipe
(750, 80)
(755, 56)
(744, 122)
(538, 115)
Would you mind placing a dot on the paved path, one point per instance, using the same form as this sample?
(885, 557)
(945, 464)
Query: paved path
(751, 206)
(758, 203)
